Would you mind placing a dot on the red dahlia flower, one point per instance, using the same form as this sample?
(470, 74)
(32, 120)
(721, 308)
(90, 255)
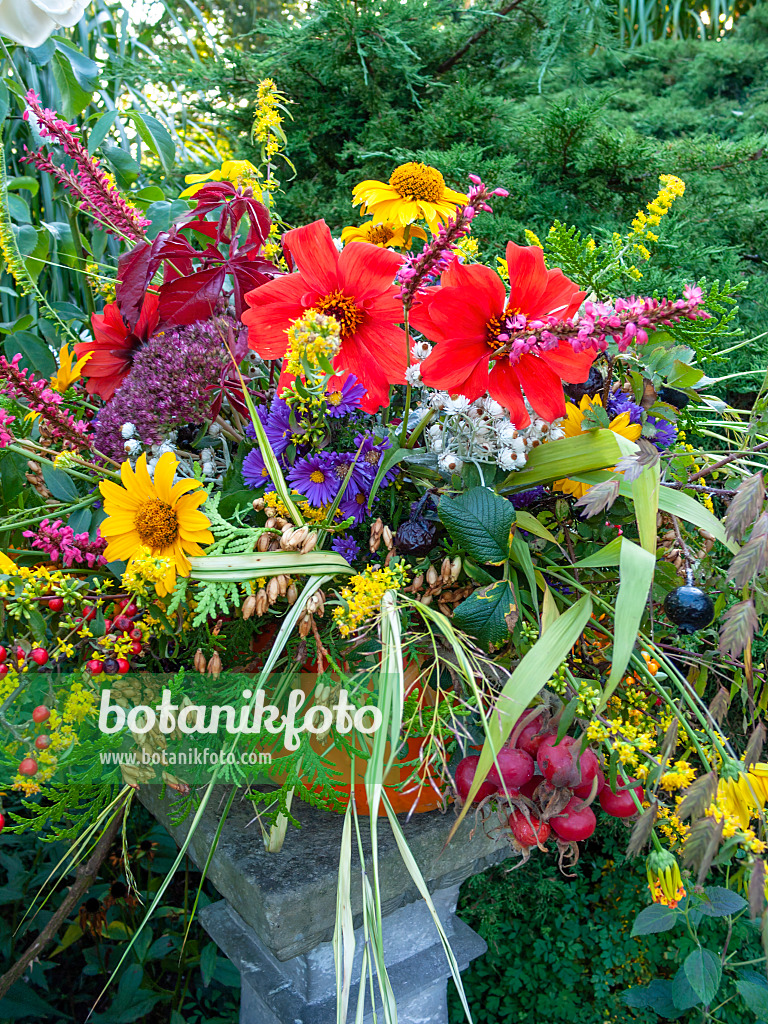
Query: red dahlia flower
(468, 317)
(354, 286)
(113, 346)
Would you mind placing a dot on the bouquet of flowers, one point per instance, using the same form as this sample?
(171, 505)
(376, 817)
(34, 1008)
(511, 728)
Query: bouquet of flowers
(448, 499)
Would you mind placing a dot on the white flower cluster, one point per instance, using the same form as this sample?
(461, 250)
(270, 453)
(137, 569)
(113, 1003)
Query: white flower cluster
(212, 463)
(481, 431)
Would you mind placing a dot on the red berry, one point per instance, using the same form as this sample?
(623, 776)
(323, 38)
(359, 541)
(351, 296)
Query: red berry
(530, 787)
(123, 666)
(585, 789)
(136, 647)
(43, 742)
(575, 822)
(122, 624)
(95, 666)
(130, 610)
(136, 634)
(621, 803)
(89, 613)
(515, 768)
(3, 671)
(56, 604)
(41, 714)
(558, 762)
(528, 833)
(529, 740)
(28, 766)
(107, 625)
(3, 654)
(39, 655)
(2, 822)
(20, 654)
(589, 766)
(465, 774)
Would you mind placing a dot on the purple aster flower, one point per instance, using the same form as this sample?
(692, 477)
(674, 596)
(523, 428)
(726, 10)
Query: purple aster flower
(665, 433)
(355, 504)
(620, 402)
(525, 498)
(340, 400)
(314, 477)
(360, 479)
(254, 471)
(277, 425)
(370, 457)
(347, 547)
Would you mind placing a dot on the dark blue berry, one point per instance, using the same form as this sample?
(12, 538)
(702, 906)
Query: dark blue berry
(689, 608)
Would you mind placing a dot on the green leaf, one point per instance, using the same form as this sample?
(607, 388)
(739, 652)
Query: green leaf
(489, 614)
(24, 181)
(208, 963)
(604, 557)
(656, 918)
(755, 995)
(588, 451)
(704, 971)
(480, 522)
(22, 1001)
(35, 354)
(636, 568)
(528, 522)
(85, 70)
(35, 261)
(61, 486)
(18, 209)
(238, 568)
(74, 97)
(717, 901)
(683, 996)
(645, 492)
(125, 167)
(655, 996)
(156, 136)
(100, 130)
(391, 458)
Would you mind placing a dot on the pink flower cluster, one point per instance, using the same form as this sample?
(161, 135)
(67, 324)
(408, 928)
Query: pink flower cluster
(41, 398)
(61, 543)
(89, 184)
(626, 322)
(6, 437)
(436, 255)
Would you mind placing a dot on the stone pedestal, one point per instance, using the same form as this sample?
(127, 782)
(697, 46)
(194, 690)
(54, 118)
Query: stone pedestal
(276, 920)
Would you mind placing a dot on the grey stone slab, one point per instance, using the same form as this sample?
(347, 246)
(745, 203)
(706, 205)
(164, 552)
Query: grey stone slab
(289, 898)
(303, 990)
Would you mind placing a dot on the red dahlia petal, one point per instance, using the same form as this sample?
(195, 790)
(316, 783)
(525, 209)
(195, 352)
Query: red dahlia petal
(527, 276)
(571, 366)
(504, 386)
(312, 250)
(543, 387)
(367, 271)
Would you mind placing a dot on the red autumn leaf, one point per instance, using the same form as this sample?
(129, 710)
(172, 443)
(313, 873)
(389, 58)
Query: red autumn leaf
(191, 298)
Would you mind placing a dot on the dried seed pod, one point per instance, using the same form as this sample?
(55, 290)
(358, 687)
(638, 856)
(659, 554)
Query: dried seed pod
(287, 538)
(299, 536)
(444, 609)
(262, 602)
(310, 543)
(426, 599)
(249, 606)
(291, 594)
(432, 576)
(214, 665)
(273, 591)
(418, 582)
(282, 584)
(258, 504)
(445, 570)
(305, 625)
(262, 544)
(377, 529)
(388, 538)
(270, 523)
(199, 662)
(455, 568)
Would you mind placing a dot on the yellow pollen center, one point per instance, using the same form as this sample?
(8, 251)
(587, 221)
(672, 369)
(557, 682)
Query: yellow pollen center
(156, 523)
(343, 309)
(380, 234)
(317, 476)
(333, 397)
(418, 181)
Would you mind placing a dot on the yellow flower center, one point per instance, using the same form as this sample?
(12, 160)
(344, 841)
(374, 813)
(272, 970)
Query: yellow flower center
(380, 234)
(333, 397)
(156, 523)
(343, 309)
(317, 476)
(418, 181)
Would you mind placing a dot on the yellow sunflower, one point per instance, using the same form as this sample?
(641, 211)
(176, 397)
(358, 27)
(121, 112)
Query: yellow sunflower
(69, 371)
(414, 192)
(386, 236)
(161, 516)
(574, 417)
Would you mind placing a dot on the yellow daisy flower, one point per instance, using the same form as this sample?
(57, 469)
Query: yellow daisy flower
(161, 516)
(239, 172)
(574, 417)
(414, 192)
(68, 371)
(386, 236)
(7, 566)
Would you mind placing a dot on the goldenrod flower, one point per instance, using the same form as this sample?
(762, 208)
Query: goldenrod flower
(161, 516)
(572, 427)
(313, 339)
(414, 192)
(69, 371)
(239, 172)
(387, 236)
(363, 595)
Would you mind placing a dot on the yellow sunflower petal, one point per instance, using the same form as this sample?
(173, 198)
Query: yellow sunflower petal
(165, 470)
